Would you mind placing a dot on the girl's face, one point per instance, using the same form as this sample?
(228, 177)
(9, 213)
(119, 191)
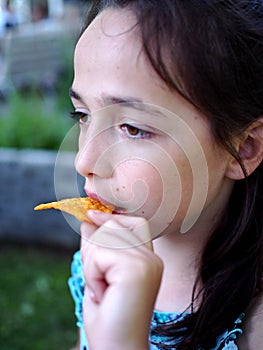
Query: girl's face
(142, 147)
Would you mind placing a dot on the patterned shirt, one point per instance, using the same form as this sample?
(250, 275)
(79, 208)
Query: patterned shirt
(227, 341)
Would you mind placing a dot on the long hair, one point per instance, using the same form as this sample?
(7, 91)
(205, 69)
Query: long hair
(211, 53)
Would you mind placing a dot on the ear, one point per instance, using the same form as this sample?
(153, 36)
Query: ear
(250, 151)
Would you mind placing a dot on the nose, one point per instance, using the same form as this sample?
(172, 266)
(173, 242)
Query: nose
(92, 156)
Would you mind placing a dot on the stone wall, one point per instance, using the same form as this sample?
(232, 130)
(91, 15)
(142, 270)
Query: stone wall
(27, 179)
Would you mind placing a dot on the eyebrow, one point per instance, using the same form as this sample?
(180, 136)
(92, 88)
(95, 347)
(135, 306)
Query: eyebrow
(108, 100)
(75, 95)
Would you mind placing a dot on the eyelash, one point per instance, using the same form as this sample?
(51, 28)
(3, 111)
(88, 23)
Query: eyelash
(140, 134)
(80, 117)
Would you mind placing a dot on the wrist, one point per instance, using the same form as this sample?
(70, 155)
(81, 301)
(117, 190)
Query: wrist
(132, 343)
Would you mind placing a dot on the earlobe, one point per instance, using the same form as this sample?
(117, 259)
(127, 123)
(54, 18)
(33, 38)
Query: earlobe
(249, 151)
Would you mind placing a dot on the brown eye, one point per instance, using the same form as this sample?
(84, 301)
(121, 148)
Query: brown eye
(133, 132)
(81, 117)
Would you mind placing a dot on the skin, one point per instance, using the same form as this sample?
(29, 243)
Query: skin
(136, 159)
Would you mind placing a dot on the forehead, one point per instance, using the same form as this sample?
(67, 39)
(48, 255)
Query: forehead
(114, 31)
(109, 59)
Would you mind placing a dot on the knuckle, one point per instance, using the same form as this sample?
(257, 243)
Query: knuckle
(141, 221)
(111, 224)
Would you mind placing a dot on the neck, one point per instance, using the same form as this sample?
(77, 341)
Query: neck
(181, 255)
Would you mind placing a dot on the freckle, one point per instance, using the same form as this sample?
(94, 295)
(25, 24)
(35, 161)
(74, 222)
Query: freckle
(123, 187)
(143, 212)
(117, 189)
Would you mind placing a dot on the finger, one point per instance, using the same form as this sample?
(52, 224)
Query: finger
(134, 223)
(123, 232)
(98, 217)
(87, 229)
(96, 289)
(138, 226)
(130, 222)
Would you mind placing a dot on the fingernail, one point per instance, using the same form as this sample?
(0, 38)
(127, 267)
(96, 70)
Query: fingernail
(92, 295)
(96, 213)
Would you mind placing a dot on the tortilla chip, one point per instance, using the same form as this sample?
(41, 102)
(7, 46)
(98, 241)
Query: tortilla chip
(77, 207)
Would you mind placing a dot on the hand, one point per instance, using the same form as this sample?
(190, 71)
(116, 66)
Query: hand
(121, 283)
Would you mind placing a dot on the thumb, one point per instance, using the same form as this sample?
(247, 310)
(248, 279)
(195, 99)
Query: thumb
(120, 231)
(98, 217)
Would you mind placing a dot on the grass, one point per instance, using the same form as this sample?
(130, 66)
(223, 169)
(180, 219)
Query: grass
(37, 311)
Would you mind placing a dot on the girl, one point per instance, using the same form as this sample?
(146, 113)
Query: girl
(169, 98)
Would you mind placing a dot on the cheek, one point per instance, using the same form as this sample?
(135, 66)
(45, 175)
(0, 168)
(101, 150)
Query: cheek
(147, 190)
(138, 185)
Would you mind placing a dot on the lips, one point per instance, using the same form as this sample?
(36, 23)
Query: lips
(119, 211)
(95, 196)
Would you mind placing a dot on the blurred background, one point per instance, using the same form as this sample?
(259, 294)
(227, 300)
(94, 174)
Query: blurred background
(37, 39)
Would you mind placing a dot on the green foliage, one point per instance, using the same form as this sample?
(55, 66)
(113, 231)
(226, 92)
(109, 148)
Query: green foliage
(31, 121)
(37, 310)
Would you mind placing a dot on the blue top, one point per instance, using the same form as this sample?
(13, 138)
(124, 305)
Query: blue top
(227, 341)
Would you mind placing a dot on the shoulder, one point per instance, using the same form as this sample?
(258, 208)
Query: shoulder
(251, 339)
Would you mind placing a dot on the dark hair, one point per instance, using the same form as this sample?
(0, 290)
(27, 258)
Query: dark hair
(211, 52)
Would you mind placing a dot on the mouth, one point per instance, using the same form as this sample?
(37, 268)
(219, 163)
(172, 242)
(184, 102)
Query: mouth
(117, 210)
